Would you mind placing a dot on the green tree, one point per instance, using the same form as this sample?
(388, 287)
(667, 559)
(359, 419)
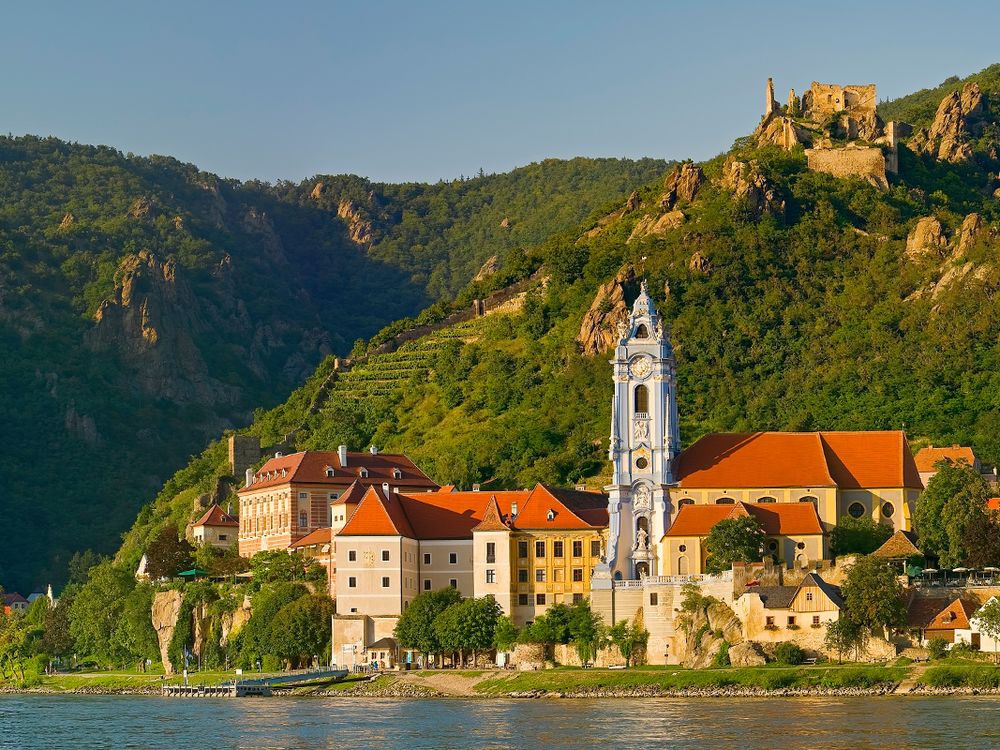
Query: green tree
(469, 625)
(873, 595)
(301, 630)
(96, 612)
(14, 645)
(415, 627)
(946, 508)
(734, 540)
(278, 566)
(168, 554)
(80, 565)
(860, 536)
(505, 634)
(844, 636)
(789, 652)
(57, 640)
(628, 637)
(587, 631)
(988, 618)
(258, 638)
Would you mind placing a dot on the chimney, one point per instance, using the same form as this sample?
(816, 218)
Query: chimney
(342, 453)
(249, 478)
(385, 488)
(373, 450)
(277, 454)
(513, 509)
(475, 488)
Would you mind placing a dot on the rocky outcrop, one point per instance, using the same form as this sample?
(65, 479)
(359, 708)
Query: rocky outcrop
(599, 330)
(926, 240)
(748, 183)
(81, 425)
(699, 263)
(972, 228)
(681, 184)
(166, 608)
(152, 320)
(707, 629)
(656, 226)
(958, 117)
(505, 223)
(67, 221)
(232, 622)
(359, 227)
(633, 202)
(317, 191)
(747, 654)
(783, 132)
(143, 208)
(490, 267)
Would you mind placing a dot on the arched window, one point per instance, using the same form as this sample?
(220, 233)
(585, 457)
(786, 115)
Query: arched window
(642, 332)
(725, 501)
(809, 499)
(641, 398)
(766, 500)
(682, 566)
(642, 523)
(685, 501)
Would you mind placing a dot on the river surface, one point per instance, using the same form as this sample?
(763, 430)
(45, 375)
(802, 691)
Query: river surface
(748, 724)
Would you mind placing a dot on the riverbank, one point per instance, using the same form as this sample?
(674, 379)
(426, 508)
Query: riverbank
(944, 678)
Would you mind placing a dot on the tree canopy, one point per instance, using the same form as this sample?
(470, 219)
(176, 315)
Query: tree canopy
(734, 540)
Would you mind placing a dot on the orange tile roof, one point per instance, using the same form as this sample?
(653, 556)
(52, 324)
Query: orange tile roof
(939, 614)
(310, 467)
(799, 459)
(455, 515)
(928, 458)
(778, 519)
(993, 503)
(215, 516)
(320, 536)
(352, 494)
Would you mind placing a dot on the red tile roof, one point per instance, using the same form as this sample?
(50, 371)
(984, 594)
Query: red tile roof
(936, 613)
(928, 458)
(215, 516)
(320, 536)
(993, 503)
(352, 494)
(778, 519)
(454, 515)
(310, 467)
(848, 460)
(492, 518)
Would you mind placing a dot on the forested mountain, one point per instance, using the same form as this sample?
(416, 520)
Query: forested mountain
(797, 301)
(146, 306)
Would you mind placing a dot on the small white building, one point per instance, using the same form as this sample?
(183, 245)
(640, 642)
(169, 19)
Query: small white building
(974, 636)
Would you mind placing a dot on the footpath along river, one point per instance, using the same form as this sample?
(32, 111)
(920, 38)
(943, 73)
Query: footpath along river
(84, 722)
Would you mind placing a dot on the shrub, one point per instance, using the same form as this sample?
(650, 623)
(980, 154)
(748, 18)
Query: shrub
(937, 648)
(722, 655)
(777, 680)
(788, 652)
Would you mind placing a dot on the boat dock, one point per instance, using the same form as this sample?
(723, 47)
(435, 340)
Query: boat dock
(261, 686)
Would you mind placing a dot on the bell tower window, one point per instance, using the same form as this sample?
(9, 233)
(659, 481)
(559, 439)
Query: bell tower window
(641, 399)
(642, 332)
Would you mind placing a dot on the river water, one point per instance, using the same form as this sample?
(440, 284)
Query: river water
(748, 724)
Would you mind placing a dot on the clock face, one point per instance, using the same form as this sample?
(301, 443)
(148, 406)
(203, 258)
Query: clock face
(641, 367)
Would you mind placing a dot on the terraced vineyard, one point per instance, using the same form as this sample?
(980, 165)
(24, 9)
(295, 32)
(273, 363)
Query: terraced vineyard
(384, 374)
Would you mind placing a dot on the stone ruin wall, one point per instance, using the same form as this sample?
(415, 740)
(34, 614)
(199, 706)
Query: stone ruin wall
(864, 162)
(825, 99)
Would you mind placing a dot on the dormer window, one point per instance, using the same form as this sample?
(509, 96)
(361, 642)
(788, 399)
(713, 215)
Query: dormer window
(363, 472)
(551, 515)
(329, 471)
(397, 474)
(642, 332)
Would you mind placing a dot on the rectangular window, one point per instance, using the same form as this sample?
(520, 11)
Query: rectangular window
(595, 548)
(539, 549)
(427, 584)
(522, 549)
(385, 582)
(577, 548)
(385, 555)
(453, 558)
(815, 619)
(577, 575)
(223, 537)
(522, 600)
(791, 621)
(557, 575)
(522, 575)
(303, 518)
(427, 558)
(539, 598)
(453, 583)
(809, 596)
(352, 555)
(653, 600)
(491, 575)
(557, 549)
(540, 575)
(352, 582)
(491, 552)
(769, 621)
(577, 598)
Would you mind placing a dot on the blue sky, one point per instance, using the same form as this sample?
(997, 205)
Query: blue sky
(429, 90)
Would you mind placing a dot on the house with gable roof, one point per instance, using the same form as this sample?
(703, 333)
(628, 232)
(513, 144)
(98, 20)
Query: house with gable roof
(777, 613)
(216, 528)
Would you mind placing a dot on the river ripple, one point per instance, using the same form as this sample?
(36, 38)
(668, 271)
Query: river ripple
(86, 722)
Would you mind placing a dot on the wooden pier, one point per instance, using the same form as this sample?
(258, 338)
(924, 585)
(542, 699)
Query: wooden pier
(262, 686)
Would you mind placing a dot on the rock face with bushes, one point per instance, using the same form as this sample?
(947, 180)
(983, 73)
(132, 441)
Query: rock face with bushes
(165, 611)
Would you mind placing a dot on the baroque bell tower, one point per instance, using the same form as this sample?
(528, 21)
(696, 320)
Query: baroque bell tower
(645, 440)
